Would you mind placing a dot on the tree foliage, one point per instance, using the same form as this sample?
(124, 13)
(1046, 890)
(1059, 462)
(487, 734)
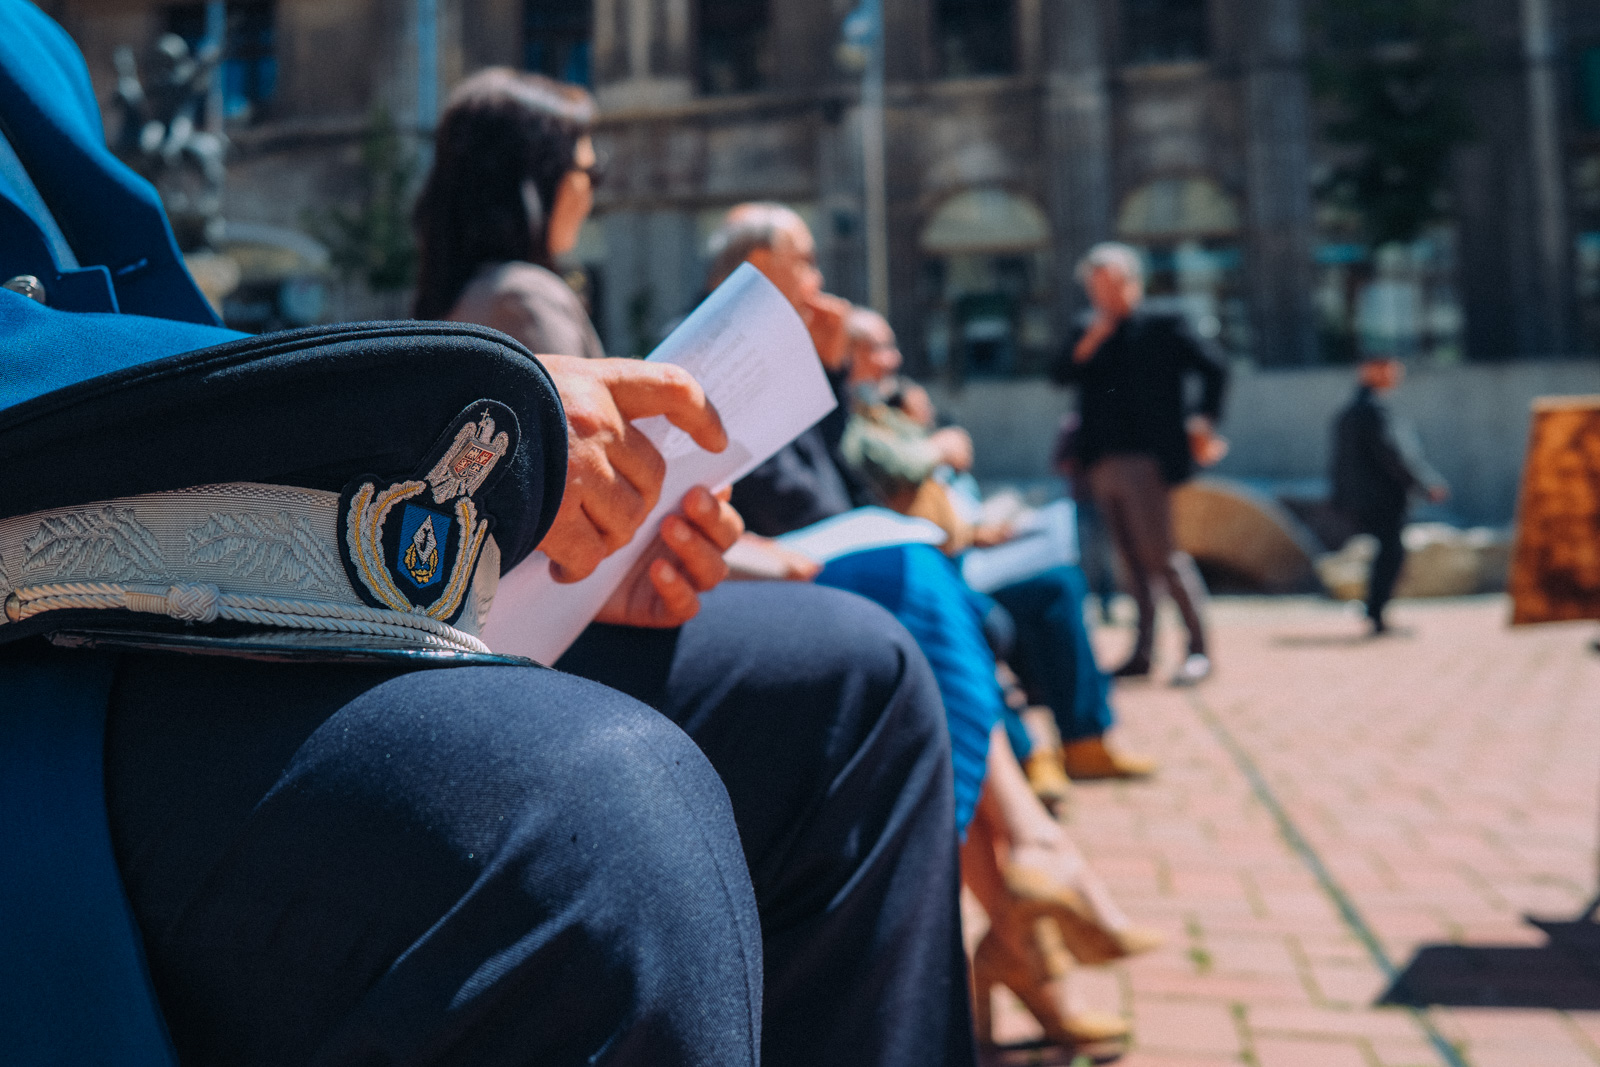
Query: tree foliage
(372, 240)
(1391, 76)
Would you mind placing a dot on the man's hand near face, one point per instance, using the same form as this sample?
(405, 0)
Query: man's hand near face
(614, 473)
(955, 447)
(826, 317)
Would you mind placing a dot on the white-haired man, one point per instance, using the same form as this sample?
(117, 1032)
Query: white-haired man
(1137, 439)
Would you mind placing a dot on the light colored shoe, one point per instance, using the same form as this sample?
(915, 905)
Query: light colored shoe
(1196, 669)
(1048, 778)
(1035, 970)
(1083, 932)
(1090, 758)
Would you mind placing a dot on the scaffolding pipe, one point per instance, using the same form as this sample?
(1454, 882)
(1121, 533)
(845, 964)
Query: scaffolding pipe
(1544, 133)
(873, 164)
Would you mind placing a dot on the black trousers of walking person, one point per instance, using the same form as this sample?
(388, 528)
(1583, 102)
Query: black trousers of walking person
(350, 864)
(1386, 565)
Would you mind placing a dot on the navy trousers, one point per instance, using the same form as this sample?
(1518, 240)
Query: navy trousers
(1386, 565)
(340, 864)
(1053, 657)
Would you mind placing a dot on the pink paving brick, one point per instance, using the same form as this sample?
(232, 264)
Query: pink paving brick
(1300, 1021)
(1586, 1023)
(1212, 986)
(1403, 1051)
(1237, 954)
(1143, 1058)
(1277, 1052)
(1564, 1055)
(1186, 1026)
(1348, 984)
(1499, 1027)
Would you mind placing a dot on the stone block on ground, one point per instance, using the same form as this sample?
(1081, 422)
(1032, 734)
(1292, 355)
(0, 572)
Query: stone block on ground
(1243, 540)
(1441, 560)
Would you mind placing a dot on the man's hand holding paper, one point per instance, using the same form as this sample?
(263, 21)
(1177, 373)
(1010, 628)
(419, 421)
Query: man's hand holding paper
(614, 473)
(685, 560)
(734, 383)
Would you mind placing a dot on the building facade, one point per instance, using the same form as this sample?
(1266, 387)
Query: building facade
(1018, 133)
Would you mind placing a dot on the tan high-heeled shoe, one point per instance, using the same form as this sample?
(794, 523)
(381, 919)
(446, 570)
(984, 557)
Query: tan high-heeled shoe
(1048, 779)
(1034, 971)
(1085, 934)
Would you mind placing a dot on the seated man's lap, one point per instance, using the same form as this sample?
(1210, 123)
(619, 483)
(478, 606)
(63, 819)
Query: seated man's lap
(332, 862)
(822, 718)
(781, 685)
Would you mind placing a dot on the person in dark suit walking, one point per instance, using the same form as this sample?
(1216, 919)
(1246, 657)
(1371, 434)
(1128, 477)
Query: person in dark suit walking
(1377, 466)
(1137, 439)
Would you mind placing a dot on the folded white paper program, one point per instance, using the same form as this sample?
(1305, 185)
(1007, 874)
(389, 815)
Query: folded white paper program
(751, 353)
(859, 531)
(1045, 538)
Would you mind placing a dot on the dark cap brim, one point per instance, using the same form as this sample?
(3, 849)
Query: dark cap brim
(312, 408)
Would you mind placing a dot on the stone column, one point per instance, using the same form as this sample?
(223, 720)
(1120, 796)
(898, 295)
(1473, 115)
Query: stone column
(643, 56)
(1077, 143)
(1548, 173)
(841, 245)
(1278, 223)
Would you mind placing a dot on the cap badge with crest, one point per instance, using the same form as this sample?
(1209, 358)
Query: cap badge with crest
(424, 562)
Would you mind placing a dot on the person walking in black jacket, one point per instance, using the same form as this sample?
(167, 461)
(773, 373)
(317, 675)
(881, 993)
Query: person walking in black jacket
(1377, 466)
(1137, 439)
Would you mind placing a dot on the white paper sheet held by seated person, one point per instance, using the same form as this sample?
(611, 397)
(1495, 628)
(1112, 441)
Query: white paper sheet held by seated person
(860, 530)
(751, 353)
(1045, 538)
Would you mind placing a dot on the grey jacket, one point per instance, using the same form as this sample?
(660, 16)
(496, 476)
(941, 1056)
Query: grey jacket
(531, 304)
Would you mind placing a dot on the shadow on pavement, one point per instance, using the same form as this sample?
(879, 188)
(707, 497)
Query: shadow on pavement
(1564, 973)
(1322, 640)
(1039, 1054)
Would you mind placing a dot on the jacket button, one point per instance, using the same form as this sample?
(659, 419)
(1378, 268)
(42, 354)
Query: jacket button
(27, 285)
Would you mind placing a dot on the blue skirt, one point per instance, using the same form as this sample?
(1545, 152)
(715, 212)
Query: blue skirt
(924, 591)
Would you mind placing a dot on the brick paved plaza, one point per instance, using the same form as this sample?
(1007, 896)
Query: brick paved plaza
(1447, 782)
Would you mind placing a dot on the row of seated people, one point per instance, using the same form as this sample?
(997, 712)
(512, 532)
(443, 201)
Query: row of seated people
(269, 797)
(331, 826)
(1017, 859)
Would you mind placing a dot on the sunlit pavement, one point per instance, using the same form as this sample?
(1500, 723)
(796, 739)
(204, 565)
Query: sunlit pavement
(1327, 807)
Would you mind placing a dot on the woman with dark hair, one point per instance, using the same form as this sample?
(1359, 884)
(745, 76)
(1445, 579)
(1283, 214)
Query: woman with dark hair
(513, 180)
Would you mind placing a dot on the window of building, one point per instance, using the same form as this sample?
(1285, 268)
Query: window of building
(975, 37)
(735, 46)
(249, 72)
(1187, 230)
(556, 36)
(1395, 299)
(1164, 31)
(1589, 86)
(986, 271)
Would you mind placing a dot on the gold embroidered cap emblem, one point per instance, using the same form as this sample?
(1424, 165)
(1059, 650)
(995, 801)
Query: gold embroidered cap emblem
(424, 561)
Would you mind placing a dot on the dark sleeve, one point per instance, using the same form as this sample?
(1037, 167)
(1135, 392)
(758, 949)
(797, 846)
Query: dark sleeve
(1377, 440)
(794, 488)
(1402, 443)
(833, 423)
(1065, 370)
(1200, 355)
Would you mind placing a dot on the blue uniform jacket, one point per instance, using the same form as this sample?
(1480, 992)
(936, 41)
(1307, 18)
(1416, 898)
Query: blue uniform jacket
(73, 987)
